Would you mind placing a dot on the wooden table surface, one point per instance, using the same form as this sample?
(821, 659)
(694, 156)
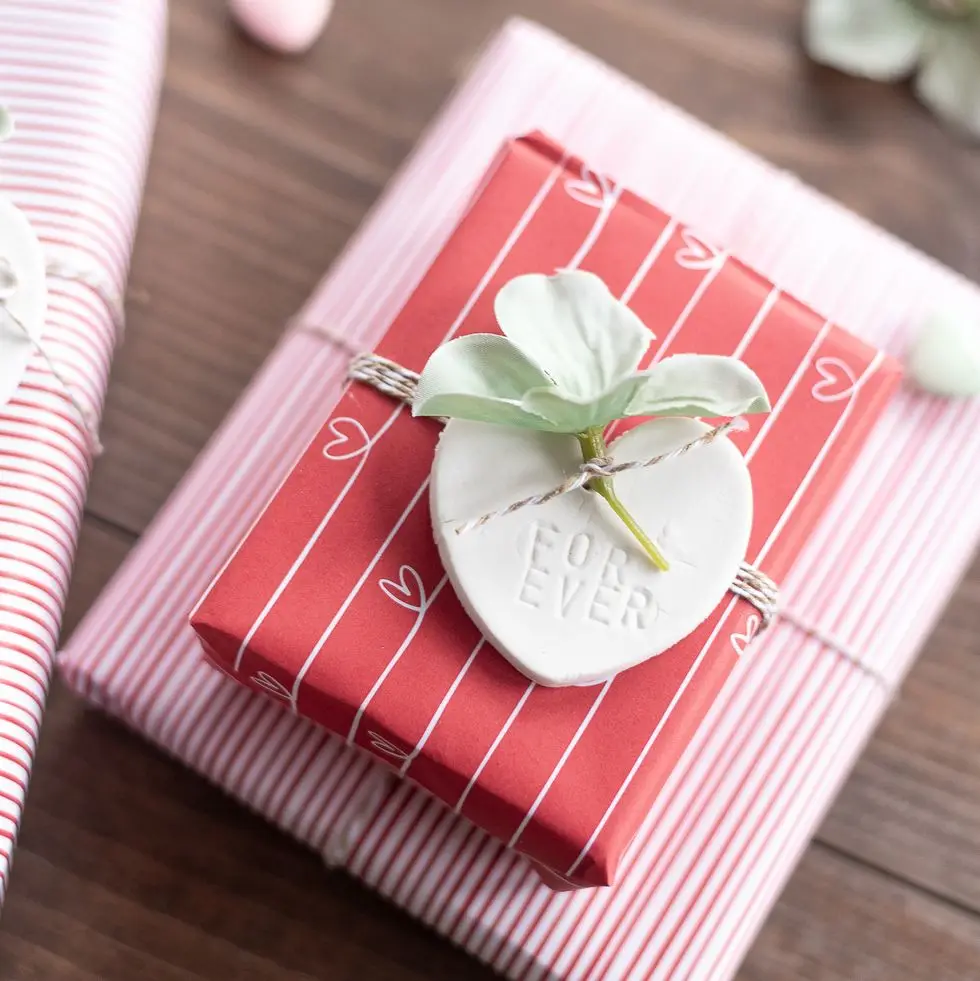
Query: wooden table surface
(131, 867)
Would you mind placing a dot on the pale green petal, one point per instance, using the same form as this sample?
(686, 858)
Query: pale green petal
(480, 377)
(949, 81)
(880, 39)
(697, 385)
(6, 124)
(478, 408)
(568, 415)
(683, 385)
(574, 328)
(482, 366)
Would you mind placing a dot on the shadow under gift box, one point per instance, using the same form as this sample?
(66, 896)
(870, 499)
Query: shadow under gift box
(336, 603)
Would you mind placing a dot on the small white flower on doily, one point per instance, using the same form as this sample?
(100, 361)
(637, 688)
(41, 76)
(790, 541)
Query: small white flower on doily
(887, 40)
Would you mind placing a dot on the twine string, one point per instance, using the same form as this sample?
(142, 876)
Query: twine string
(398, 382)
(387, 376)
(750, 583)
(754, 585)
(68, 271)
(599, 466)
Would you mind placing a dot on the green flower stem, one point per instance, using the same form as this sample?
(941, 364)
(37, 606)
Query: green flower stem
(593, 445)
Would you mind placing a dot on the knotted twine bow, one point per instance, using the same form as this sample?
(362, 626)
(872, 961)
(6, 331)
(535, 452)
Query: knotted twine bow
(751, 584)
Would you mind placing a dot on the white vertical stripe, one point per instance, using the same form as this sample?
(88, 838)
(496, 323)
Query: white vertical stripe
(498, 739)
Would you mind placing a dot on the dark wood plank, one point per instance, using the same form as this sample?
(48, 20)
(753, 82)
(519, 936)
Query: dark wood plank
(840, 921)
(101, 550)
(131, 867)
(912, 805)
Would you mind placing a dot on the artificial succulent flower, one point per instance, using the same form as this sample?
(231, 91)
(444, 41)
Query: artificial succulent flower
(936, 40)
(568, 363)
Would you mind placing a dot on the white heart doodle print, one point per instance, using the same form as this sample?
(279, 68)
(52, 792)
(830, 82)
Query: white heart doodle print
(696, 253)
(591, 189)
(833, 373)
(387, 747)
(741, 641)
(356, 442)
(408, 591)
(264, 680)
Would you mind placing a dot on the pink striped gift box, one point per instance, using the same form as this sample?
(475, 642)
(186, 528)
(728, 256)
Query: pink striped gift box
(80, 79)
(727, 828)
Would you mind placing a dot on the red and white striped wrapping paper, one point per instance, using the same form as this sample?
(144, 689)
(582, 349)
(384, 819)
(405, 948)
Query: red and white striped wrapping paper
(740, 806)
(336, 602)
(80, 79)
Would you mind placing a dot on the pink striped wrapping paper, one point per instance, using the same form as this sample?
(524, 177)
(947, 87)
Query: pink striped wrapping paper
(730, 824)
(80, 79)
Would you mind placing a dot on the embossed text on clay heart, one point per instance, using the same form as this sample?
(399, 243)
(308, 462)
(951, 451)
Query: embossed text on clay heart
(560, 588)
(583, 576)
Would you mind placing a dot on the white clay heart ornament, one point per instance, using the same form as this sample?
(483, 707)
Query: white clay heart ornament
(23, 295)
(561, 589)
(574, 582)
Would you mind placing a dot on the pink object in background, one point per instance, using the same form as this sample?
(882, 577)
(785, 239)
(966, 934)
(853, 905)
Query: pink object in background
(65, 170)
(726, 831)
(286, 26)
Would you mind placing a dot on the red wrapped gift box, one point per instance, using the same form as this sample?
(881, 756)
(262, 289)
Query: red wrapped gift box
(336, 602)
